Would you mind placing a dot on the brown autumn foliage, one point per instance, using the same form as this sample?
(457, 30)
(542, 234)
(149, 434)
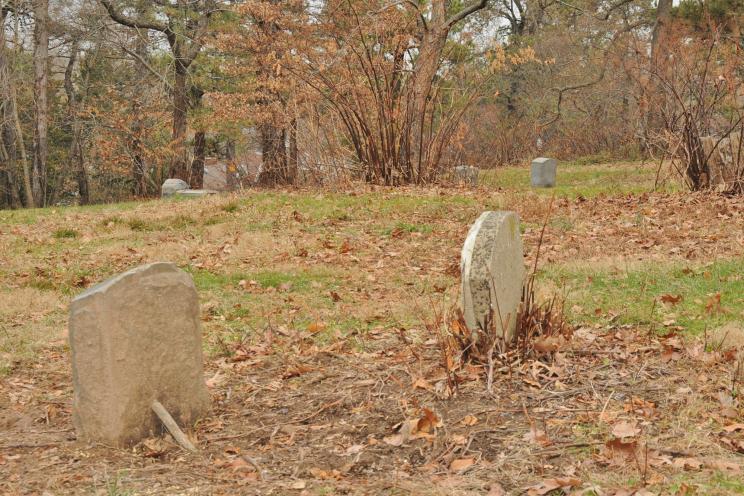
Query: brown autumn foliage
(344, 90)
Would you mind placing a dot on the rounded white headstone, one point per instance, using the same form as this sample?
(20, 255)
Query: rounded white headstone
(492, 272)
(172, 186)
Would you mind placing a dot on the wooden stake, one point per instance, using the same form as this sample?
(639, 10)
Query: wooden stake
(172, 426)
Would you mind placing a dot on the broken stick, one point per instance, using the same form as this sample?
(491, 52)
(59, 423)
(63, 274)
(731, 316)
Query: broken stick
(172, 426)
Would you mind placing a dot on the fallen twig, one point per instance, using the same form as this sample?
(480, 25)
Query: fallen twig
(172, 426)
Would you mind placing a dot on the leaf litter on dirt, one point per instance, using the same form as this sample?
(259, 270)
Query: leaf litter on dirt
(314, 410)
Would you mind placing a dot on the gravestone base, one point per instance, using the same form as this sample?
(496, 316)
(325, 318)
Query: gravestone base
(195, 193)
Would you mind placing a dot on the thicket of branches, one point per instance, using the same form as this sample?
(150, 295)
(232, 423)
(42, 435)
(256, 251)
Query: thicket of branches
(104, 99)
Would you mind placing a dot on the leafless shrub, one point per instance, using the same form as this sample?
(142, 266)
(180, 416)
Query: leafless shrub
(697, 122)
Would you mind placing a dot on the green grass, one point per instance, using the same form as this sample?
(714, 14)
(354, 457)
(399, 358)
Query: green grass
(579, 179)
(408, 227)
(717, 484)
(634, 296)
(33, 215)
(65, 234)
(299, 281)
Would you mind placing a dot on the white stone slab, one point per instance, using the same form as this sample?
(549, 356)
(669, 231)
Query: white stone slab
(492, 272)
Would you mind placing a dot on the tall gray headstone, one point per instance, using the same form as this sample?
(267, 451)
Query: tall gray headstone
(492, 272)
(136, 338)
(543, 171)
(173, 186)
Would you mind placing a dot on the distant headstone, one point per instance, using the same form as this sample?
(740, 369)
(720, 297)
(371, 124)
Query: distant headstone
(725, 162)
(492, 272)
(136, 339)
(171, 186)
(195, 192)
(543, 172)
(465, 174)
(218, 174)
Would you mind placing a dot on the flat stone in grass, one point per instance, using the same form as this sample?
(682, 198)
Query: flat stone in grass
(172, 186)
(492, 272)
(542, 172)
(136, 339)
(195, 192)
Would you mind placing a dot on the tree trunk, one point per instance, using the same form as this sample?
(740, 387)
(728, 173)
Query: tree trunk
(41, 76)
(75, 153)
(427, 65)
(425, 71)
(7, 141)
(20, 146)
(274, 152)
(659, 36)
(659, 51)
(136, 149)
(10, 196)
(197, 165)
(179, 167)
(294, 153)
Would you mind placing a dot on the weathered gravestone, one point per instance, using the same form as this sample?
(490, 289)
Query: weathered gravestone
(172, 186)
(725, 162)
(542, 172)
(466, 174)
(492, 272)
(136, 340)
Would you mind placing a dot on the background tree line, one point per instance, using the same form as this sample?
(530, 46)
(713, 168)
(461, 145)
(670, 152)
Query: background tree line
(104, 99)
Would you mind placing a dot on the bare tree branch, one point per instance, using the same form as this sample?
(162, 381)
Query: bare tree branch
(134, 23)
(470, 9)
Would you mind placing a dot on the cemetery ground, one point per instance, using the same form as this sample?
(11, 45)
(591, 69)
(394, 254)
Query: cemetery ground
(323, 354)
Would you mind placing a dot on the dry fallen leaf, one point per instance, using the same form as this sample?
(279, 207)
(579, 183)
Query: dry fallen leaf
(458, 439)
(405, 429)
(470, 420)
(734, 427)
(687, 463)
(354, 449)
(316, 327)
(496, 490)
(625, 429)
(724, 466)
(325, 474)
(536, 436)
(422, 383)
(619, 451)
(428, 422)
(549, 485)
(673, 299)
(461, 464)
(546, 345)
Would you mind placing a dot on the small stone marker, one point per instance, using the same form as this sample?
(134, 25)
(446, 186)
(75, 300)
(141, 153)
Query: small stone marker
(172, 186)
(492, 272)
(543, 172)
(465, 174)
(136, 340)
(195, 192)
